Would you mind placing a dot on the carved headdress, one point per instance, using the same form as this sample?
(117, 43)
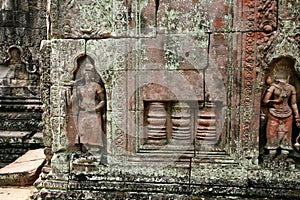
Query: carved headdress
(87, 64)
(282, 70)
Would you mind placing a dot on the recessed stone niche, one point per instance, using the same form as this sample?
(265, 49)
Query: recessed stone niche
(278, 139)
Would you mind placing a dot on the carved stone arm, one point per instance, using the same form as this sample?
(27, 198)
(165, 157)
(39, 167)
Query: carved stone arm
(100, 106)
(268, 95)
(295, 109)
(294, 105)
(68, 98)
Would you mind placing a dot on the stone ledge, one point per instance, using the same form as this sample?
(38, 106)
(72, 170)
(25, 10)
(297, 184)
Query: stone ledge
(20, 139)
(25, 170)
(120, 190)
(231, 182)
(14, 144)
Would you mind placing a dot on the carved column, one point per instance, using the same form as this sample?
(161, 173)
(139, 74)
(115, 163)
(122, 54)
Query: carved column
(181, 121)
(156, 127)
(206, 125)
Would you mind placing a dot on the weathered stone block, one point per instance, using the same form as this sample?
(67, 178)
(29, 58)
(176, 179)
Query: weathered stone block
(62, 68)
(219, 15)
(186, 85)
(212, 174)
(60, 163)
(146, 25)
(183, 17)
(58, 97)
(169, 85)
(173, 52)
(58, 127)
(101, 19)
(23, 171)
(112, 54)
(185, 51)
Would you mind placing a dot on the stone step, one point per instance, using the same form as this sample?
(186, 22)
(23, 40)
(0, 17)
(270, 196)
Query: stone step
(23, 171)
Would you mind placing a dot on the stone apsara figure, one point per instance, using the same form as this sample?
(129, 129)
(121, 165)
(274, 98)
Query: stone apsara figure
(17, 77)
(281, 97)
(87, 103)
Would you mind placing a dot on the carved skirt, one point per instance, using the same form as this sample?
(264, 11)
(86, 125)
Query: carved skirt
(279, 132)
(90, 128)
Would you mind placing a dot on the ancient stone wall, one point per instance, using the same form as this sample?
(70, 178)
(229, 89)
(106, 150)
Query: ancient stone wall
(165, 98)
(22, 28)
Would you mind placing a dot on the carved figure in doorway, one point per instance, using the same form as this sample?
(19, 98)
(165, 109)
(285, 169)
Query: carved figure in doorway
(88, 103)
(281, 97)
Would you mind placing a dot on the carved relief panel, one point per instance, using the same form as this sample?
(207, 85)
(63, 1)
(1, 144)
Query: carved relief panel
(255, 15)
(168, 123)
(151, 106)
(280, 112)
(186, 101)
(86, 103)
(206, 125)
(20, 78)
(161, 86)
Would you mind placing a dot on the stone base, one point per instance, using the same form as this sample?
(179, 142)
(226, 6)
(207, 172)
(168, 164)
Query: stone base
(173, 181)
(137, 190)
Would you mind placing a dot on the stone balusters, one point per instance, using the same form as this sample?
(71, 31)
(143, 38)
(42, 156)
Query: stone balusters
(206, 125)
(181, 121)
(178, 123)
(156, 124)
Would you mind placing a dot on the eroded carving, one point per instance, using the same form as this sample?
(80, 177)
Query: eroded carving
(86, 104)
(18, 80)
(261, 15)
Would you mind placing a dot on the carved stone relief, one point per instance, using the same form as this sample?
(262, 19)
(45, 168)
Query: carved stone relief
(275, 49)
(189, 97)
(19, 93)
(181, 123)
(101, 19)
(280, 110)
(19, 80)
(248, 136)
(289, 11)
(45, 91)
(57, 79)
(259, 15)
(86, 102)
(114, 56)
